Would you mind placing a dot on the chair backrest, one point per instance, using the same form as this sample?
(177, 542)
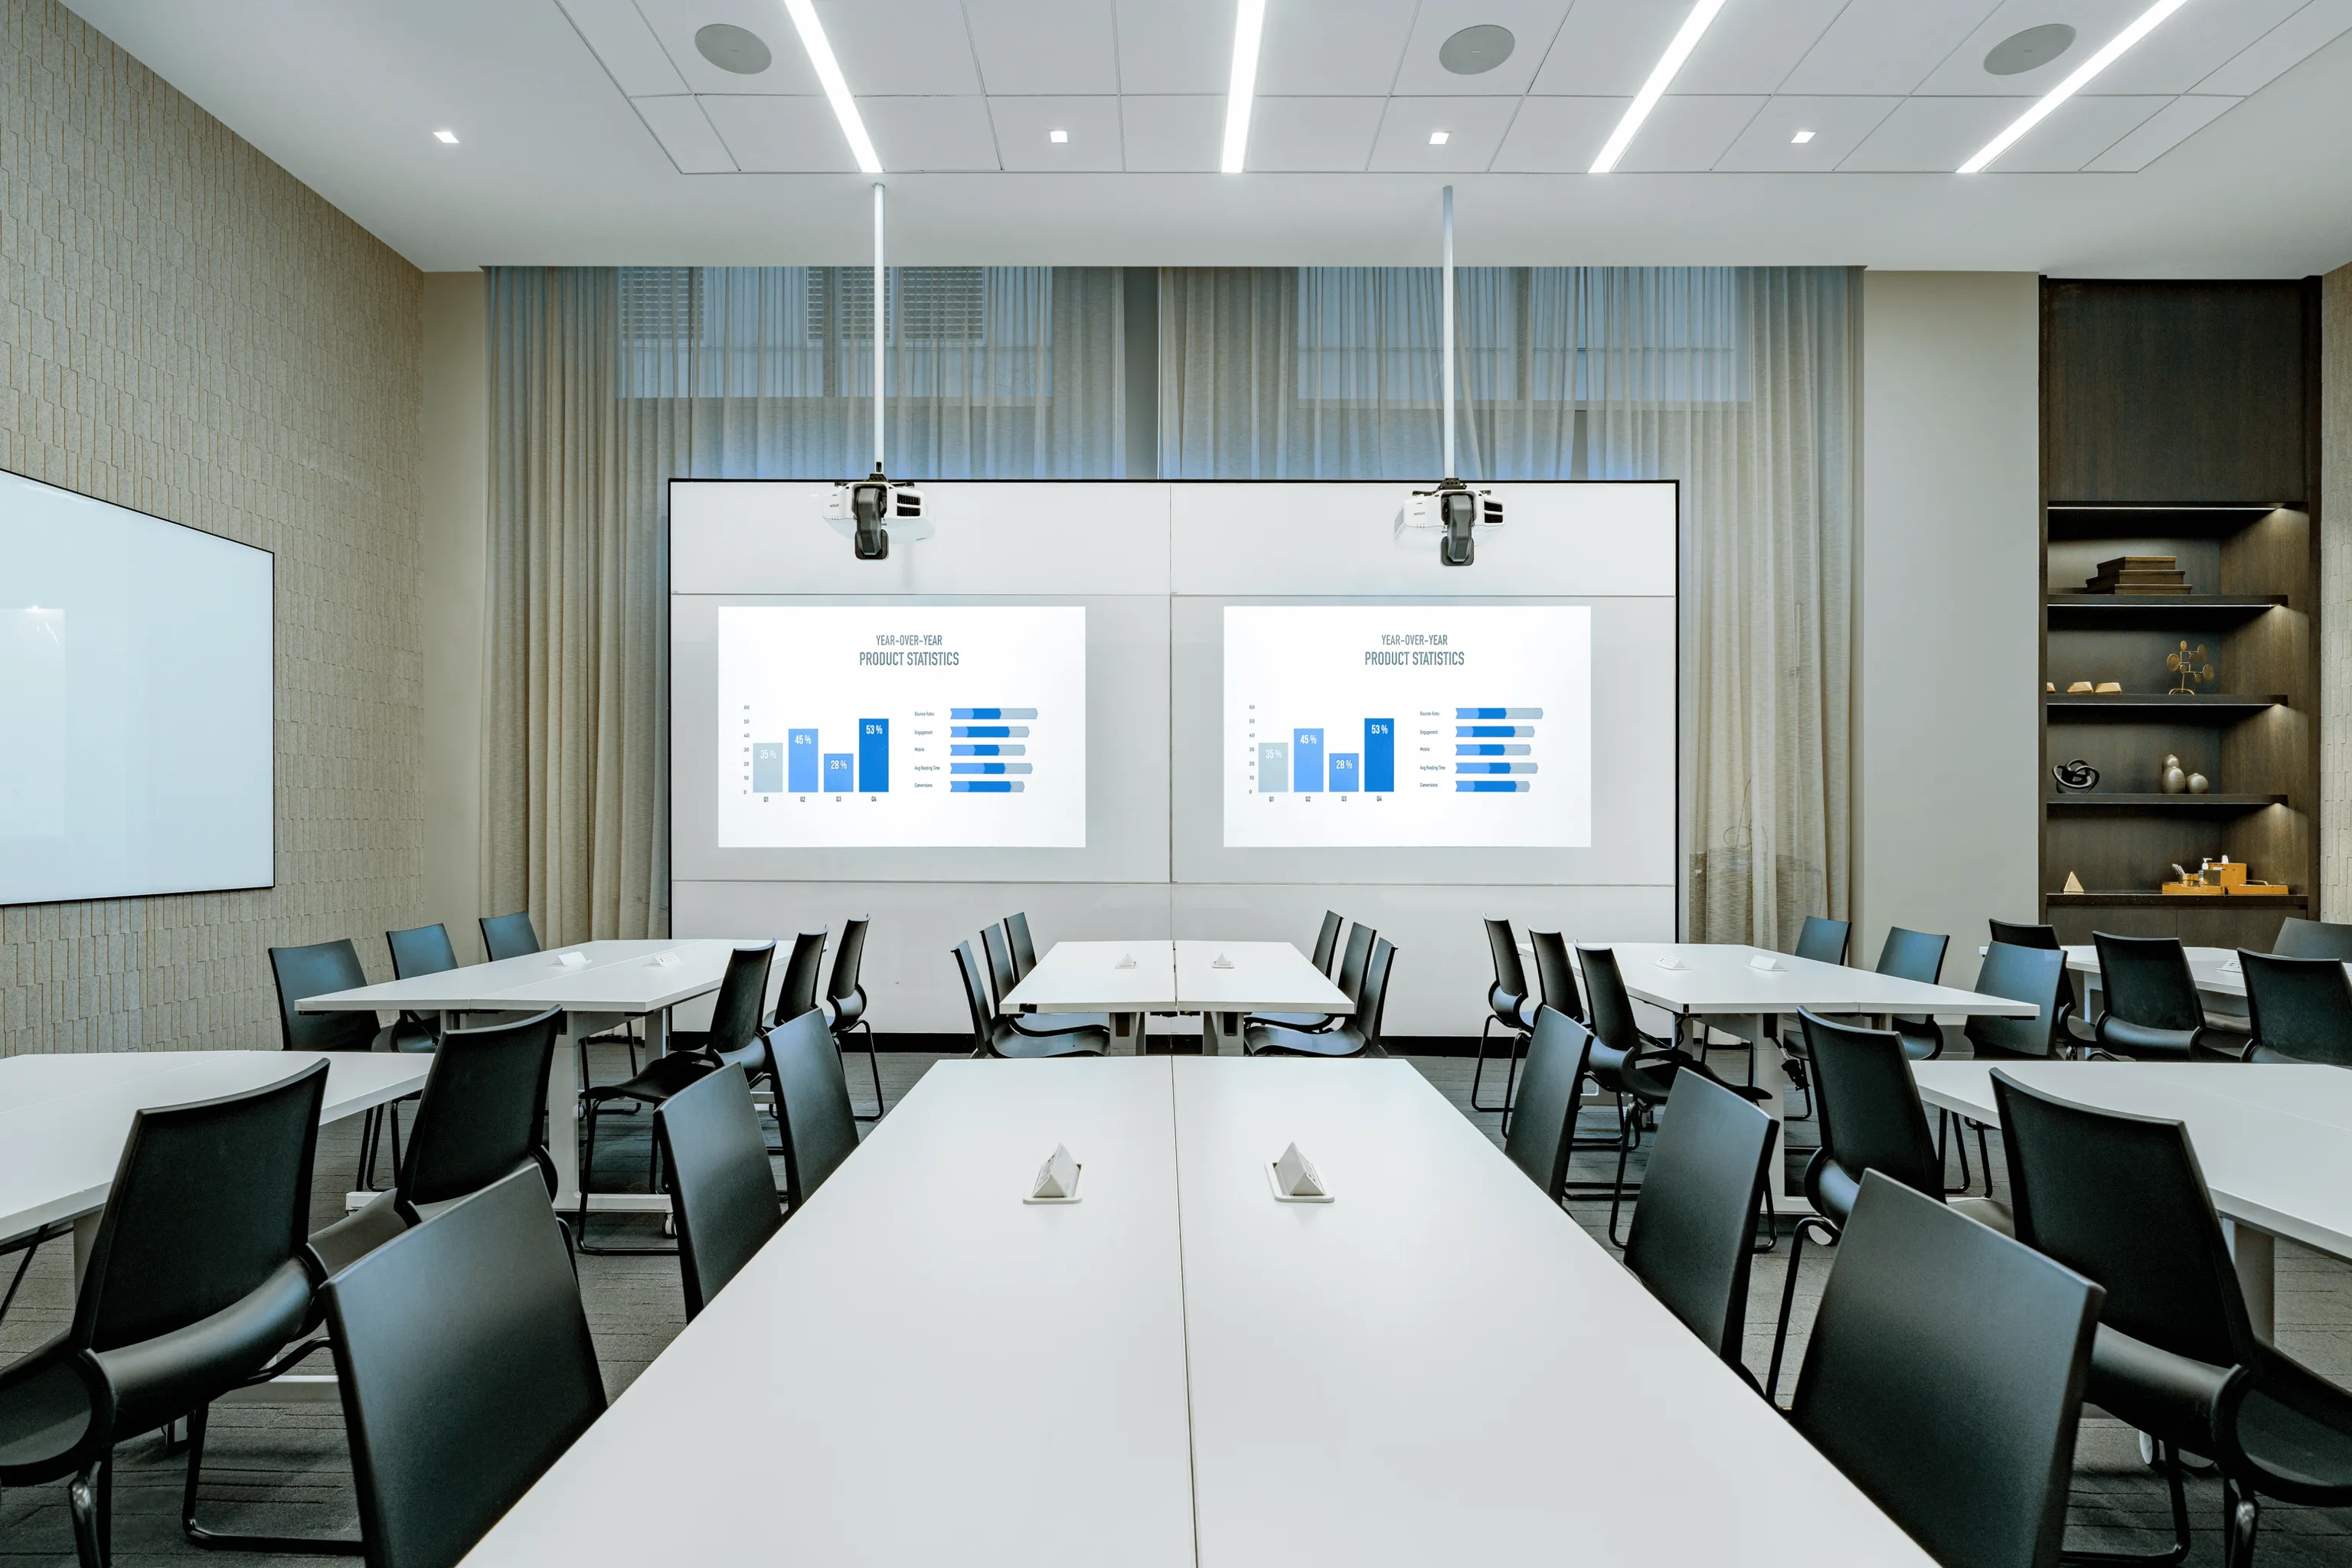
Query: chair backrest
(479, 1121)
(848, 997)
(2300, 938)
(2300, 1008)
(1373, 1000)
(1694, 1229)
(1326, 939)
(803, 970)
(1613, 1024)
(1023, 945)
(2036, 974)
(1871, 1116)
(812, 1104)
(1823, 941)
(209, 1199)
(999, 963)
(722, 1193)
(1511, 975)
(314, 971)
(1555, 974)
(975, 995)
(742, 991)
(1358, 954)
(2121, 1199)
(1913, 955)
(1944, 1377)
(508, 936)
(2148, 981)
(1543, 1115)
(466, 1369)
(2021, 935)
(420, 949)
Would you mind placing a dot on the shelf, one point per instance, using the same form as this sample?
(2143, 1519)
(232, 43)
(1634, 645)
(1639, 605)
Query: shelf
(2142, 707)
(2078, 522)
(2141, 612)
(2169, 901)
(2114, 801)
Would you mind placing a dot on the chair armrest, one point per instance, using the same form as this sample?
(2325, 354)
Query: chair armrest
(2174, 1398)
(163, 1378)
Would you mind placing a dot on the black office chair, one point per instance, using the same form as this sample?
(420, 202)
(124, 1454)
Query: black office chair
(1543, 1131)
(1872, 1119)
(2300, 938)
(420, 950)
(844, 997)
(1353, 961)
(1002, 982)
(723, 1190)
(796, 994)
(2301, 1009)
(1915, 955)
(993, 1035)
(194, 1279)
(1556, 973)
(466, 1369)
(2017, 934)
(813, 1106)
(2122, 1199)
(1944, 1378)
(1822, 940)
(1510, 1003)
(732, 1040)
(2151, 1011)
(2036, 974)
(314, 971)
(1694, 1230)
(1326, 939)
(508, 936)
(1359, 1037)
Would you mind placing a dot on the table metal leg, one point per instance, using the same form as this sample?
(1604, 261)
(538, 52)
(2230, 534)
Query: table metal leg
(2255, 1254)
(564, 1115)
(85, 1238)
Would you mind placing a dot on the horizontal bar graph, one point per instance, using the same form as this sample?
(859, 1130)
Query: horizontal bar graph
(992, 713)
(985, 786)
(1499, 712)
(800, 765)
(1490, 786)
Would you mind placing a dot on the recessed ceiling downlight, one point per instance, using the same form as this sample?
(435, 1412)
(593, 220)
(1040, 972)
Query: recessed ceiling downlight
(733, 48)
(1475, 50)
(2021, 52)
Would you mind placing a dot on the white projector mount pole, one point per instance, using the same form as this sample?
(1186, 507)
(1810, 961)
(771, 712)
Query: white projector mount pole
(1448, 372)
(882, 310)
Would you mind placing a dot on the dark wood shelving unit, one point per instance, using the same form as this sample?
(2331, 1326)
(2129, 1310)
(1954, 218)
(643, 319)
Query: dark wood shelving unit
(2180, 418)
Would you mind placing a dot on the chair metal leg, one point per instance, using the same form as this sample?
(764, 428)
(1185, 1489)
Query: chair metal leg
(1789, 1298)
(86, 1496)
(1984, 1158)
(873, 1068)
(1511, 1081)
(2242, 1515)
(1477, 1072)
(1617, 1189)
(580, 1213)
(2168, 1461)
(217, 1540)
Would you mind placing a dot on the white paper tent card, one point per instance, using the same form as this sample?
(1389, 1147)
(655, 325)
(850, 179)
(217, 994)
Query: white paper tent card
(1296, 1179)
(1057, 1179)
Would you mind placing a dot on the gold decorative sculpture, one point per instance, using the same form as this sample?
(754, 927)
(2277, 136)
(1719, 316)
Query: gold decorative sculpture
(2191, 667)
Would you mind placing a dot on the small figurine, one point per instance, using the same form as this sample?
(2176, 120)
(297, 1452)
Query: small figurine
(2175, 780)
(2191, 666)
(2076, 775)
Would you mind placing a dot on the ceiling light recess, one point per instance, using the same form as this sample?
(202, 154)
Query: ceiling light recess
(1249, 27)
(1058, 137)
(1694, 27)
(1440, 138)
(446, 138)
(2042, 106)
(836, 87)
(1801, 138)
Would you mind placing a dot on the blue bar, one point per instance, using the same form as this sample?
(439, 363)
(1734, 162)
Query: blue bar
(988, 731)
(1494, 767)
(1482, 749)
(988, 749)
(992, 713)
(1495, 732)
(1273, 767)
(873, 756)
(801, 760)
(1345, 772)
(990, 768)
(1380, 756)
(984, 786)
(840, 771)
(1490, 786)
(1499, 712)
(1306, 761)
(767, 768)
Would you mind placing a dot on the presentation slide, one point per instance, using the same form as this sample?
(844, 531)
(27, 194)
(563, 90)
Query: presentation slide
(1408, 726)
(902, 726)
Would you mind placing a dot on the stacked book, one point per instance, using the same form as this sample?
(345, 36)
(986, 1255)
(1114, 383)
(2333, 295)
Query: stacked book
(2139, 574)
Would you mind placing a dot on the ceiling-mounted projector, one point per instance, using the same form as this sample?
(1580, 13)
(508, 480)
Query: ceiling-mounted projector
(860, 507)
(1456, 513)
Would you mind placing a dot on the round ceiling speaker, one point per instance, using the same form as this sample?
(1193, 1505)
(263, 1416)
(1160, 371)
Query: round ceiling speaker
(738, 50)
(2034, 47)
(1475, 49)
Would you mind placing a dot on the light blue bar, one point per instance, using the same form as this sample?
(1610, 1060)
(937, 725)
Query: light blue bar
(1499, 712)
(1306, 761)
(1495, 731)
(989, 732)
(990, 768)
(984, 786)
(992, 713)
(1346, 775)
(988, 749)
(840, 773)
(1494, 767)
(1490, 786)
(767, 768)
(1274, 767)
(802, 764)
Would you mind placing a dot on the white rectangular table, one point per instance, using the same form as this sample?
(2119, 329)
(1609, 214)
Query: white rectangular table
(619, 979)
(1719, 987)
(1177, 977)
(2275, 1142)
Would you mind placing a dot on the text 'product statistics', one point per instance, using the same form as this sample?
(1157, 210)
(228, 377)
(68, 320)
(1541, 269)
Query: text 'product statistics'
(1408, 726)
(880, 726)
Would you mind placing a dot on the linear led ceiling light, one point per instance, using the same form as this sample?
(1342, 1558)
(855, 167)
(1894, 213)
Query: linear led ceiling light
(1694, 27)
(2072, 84)
(1249, 25)
(836, 85)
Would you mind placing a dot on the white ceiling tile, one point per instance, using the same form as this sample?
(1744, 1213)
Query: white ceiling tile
(1886, 46)
(769, 135)
(1689, 133)
(1313, 134)
(1044, 45)
(2282, 48)
(1609, 47)
(617, 35)
(2096, 22)
(1931, 135)
(1344, 48)
(1533, 23)
(916, 133)
(2076, 132)
(675, 23)
(678, 123)
(2162, 132)
(1474, 131)
(1838, 124)
(1024, 141)
(907, 48)
(1752, 47)
(1170, 48)
(2192, 43)
(1558, 136)
(1170, 134)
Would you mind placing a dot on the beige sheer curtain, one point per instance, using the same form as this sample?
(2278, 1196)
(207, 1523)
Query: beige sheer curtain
(1736, 382)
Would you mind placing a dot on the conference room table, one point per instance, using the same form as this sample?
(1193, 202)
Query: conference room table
(1720, 986)
(1178, 1368)
(596, 985)
(1222, 981)
(2275, 1142)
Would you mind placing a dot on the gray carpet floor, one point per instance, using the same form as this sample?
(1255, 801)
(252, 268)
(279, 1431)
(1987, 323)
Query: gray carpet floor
(285, 1470)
